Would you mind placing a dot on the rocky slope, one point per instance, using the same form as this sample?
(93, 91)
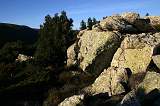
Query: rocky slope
(122, 55)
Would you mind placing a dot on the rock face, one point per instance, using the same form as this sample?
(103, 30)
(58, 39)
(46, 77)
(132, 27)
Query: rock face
(97, 49)
(111, 81)
(136, 52)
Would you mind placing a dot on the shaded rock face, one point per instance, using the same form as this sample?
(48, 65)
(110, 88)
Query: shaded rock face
(130, 100)
(147, 94)
(112, 81)
(95, 50)
(150, 82)
(136, 52)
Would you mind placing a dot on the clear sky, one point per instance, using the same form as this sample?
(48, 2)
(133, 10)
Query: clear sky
(32, 12)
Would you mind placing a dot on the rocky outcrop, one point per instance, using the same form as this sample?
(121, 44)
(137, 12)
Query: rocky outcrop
(130, 46)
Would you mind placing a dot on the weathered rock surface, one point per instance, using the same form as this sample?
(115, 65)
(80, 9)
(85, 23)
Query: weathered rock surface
(136, 52)
(75, 100)
(71, 54)
(97, 49)
(110, 81)
(115, 23)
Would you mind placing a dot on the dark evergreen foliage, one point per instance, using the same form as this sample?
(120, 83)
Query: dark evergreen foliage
(51, 47)
(83, 25)
(89, 23)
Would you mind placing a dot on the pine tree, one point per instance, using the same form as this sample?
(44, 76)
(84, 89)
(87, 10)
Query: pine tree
(94, 21)
(82, 25)
(89, 23)
(147, 14)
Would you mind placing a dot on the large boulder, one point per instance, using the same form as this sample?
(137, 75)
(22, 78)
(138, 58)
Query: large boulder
(141, 24)
(96, 50)
(116, 23)
(150, 82)
(130, 17)
(136, 52)
(154, 21)
(135, 59)
(111, 81)
(147, 93)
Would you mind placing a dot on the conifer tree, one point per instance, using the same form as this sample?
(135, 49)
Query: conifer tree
(94, 21)
(51, 45)
(82, 25)
(89, 23)
(147, 14)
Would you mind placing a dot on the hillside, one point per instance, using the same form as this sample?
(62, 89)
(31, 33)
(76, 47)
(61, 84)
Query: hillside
(12, 32)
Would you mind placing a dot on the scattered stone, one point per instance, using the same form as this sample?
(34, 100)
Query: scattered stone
(75, 100)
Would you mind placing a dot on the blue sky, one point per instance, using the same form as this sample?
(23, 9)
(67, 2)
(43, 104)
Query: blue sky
(32, 12)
